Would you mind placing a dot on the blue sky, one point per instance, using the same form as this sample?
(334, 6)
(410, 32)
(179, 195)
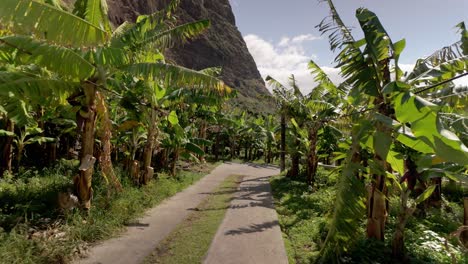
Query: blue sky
(282, 37)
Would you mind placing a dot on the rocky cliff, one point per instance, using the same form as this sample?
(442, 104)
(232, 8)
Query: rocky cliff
(222, 45)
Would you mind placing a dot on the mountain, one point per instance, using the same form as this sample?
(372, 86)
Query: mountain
(222, 45)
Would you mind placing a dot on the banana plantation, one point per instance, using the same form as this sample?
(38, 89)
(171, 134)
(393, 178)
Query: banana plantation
(98, 125)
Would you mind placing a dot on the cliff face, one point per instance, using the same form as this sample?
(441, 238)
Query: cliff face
(222, 45)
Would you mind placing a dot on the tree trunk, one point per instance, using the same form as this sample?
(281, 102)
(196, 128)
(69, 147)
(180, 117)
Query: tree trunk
(52, 151)
(312, 160)
(295, 160)
(376, 208)
(377, 203)
(283, 143)
(202, 134)
(398, 243)
(268, 154)
(435, 199)
(216, 147)
(233, 148)
(7, 153)
(464, 235)
(135, 172)
(83, 183)
(246, 151)
(174, 162)
(149, 148)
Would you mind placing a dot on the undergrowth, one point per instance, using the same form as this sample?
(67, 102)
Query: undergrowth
(33, 230)
(304, 215)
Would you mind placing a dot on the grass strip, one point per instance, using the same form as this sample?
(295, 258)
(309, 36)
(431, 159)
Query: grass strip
(31, 240)
(190, 241)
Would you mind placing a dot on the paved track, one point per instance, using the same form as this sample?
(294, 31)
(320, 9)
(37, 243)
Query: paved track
(250, 227)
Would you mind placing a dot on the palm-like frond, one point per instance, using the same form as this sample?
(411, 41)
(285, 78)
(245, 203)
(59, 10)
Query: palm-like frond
(16, 110)
(161, 36)
(351, 60)
(178, 76)
(441, 74)
(295, 86)
(109, 56)
(129, 33)
(443, 55)
(55, 58)
(339, 34)
(93, 11)
(28, 87)
(320, 108)
(442, 65)
(50, 23)
(168, 38)
(349, 210)
(282, 94)
(325, 84)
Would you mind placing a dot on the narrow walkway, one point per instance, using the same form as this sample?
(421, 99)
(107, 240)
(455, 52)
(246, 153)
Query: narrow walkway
(250, 232)
(140, 239)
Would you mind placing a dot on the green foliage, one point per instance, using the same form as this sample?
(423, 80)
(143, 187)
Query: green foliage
(51, 57)
(35, 17)
(302, 216)
(29, 205)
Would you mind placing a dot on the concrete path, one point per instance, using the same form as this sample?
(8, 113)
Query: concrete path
(257, 222)
(250, 231)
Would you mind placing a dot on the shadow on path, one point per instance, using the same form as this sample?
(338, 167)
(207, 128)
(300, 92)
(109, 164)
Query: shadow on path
(252, 228)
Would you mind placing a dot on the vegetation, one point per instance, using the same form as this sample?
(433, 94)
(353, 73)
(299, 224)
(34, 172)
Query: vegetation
(190, 241)
(36, 231)
(103, 94)
(304, 219)
(392, 135)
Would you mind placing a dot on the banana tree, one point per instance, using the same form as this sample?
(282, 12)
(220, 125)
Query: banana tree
(178, 140)
(287, 101)
(387, 111)
(97, 53)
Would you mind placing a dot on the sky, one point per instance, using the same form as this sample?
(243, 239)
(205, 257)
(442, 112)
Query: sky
(282, 35)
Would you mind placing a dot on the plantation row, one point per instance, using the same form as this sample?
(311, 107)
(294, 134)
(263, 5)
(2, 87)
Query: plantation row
(83, 90)
(394, 133)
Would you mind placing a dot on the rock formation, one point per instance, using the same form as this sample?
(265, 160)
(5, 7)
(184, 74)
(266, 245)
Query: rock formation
(222, 45)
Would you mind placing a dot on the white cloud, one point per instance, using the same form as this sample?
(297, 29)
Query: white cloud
(286, 58)
(297, 40)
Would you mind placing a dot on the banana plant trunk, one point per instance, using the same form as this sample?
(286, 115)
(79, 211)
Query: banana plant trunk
(312, 160)
(377, 203)
(216, 147)
(233, 148)
(174, 162)
(283, 143)
(295, 159)
(398, 243)
(246, 151)
(268, 154)
(7, 152)
(202, 135)
(435, 199)
(83, 181)
(464, 234)
(148, 151)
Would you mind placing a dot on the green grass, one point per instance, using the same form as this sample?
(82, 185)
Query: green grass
(33, 231)
(304, 216)
(190, 241)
